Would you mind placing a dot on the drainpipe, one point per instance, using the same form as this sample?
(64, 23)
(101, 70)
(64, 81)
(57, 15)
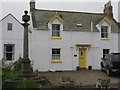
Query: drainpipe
(111, 37)
(92, 56)
(49, 46)
(71, 48)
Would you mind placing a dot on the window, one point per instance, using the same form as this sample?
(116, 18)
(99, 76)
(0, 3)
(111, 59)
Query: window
(9, 26)
(104, 31)
(55, 54)
(55, 30)
(105, 52)
(9, 51)
(117, 57)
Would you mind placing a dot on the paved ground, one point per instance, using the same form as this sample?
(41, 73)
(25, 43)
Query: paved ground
(82, 77)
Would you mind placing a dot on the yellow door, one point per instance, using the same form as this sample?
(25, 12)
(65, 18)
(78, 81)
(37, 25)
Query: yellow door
(82, 58)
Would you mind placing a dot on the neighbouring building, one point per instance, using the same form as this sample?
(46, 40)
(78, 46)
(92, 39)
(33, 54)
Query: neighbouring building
(0, 38)
(11, 39)
(119, 38)
(66, 40)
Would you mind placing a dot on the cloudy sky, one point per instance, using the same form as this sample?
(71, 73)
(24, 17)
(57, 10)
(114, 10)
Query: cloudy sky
(16, 7)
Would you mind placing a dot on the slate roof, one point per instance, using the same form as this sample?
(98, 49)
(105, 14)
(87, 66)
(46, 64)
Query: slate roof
(41, 17)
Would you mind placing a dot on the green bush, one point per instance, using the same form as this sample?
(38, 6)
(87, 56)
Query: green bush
(8, 74)
(17, 65)
(7, 85)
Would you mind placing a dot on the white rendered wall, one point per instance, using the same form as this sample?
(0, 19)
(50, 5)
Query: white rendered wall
(119, 42)
(0, 40)
(40, 50)
(13, 37)
(42, 44)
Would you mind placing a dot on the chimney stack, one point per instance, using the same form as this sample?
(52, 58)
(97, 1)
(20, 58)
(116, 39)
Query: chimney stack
(32, 5)
(108, 10)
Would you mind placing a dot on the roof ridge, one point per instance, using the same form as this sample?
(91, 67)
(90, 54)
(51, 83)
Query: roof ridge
(68, 11)
(12, 16)
(6, 16)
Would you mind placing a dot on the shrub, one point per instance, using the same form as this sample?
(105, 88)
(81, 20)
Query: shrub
(17, 65)
(4, 65)
(8, 74)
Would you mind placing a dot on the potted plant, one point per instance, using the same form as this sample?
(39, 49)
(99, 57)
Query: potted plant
(104, 82)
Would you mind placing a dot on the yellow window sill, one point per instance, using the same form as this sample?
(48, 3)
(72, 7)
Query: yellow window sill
(56, 38)
(105, 38)
(56, 61)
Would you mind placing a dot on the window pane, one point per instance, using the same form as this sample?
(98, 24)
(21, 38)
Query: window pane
(104, 32)
(55, 26)
(9, 48)
(53, 57)
(55, 33)
(102, 35)
(9, 56)
(105, 35)
(57, 57)
(55, 54)
(117, 57)
(58, 33)
(53, 51)
(57, 51)
(9, 51)
(9, 26)
(55, 30)
(105, 52)
(104, 28)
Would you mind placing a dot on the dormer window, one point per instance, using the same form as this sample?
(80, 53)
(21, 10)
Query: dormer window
(104, 31)
(56, 26)
(105, 28)
(55, 30)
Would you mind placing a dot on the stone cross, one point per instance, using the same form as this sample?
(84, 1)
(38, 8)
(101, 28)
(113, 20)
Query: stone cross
(25, 62)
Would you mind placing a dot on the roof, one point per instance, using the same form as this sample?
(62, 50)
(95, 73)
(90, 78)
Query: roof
(9, 15)
(56, 16)
(107, 20)
(40, 18)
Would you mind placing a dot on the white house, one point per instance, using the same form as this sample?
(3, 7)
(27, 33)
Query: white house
(11, 38)
(65, 40)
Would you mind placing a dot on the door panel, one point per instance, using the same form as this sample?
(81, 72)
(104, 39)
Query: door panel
(82, 58)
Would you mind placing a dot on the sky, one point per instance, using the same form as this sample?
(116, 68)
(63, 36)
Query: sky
(17, 7)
